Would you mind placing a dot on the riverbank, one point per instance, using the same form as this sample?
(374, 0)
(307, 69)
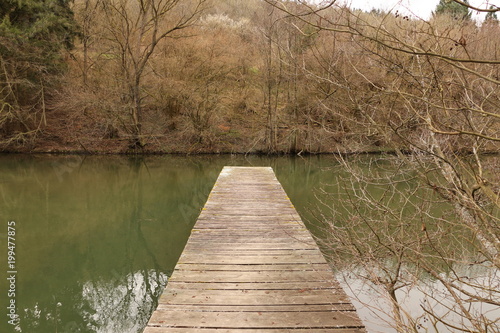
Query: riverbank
(60, 138)
(122, 147)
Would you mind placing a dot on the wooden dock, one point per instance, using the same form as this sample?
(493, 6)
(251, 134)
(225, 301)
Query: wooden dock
(250, 265)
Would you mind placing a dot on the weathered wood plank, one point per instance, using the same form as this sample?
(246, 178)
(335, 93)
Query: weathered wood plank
(247, 227)
(255, 239)
(291, 245)
(271, 330)
(252, 252)
(247, 234)
(258, 320)
(250, 259)
(260, 308)
(249, 299)
(246, 297)
(253, 267)
(282, 219)
(324, 285)
(250, 265)
(254, 276)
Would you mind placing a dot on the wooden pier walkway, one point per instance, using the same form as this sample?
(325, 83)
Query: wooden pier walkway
(250, 265)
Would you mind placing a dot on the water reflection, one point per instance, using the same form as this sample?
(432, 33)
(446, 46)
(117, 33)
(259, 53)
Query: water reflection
(406, 256)
(99, 236)
(112, 305)
(426, 298)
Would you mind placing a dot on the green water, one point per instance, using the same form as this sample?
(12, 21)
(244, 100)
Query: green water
(97, 237)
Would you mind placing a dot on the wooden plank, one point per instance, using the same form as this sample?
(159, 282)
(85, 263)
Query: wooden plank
(229, 223)
(250, 259)
(324, 285)
(259, 302)
(233, 225)
(248, 234)
(254, 267)
(254, 239)
(256, 249)
(253, 276)
(278, 220)
(244, 229)
(271, 330)
(250, 265)
(199, 245)
(261, 308)
(257, 320)
(253, 297)
(224, 251)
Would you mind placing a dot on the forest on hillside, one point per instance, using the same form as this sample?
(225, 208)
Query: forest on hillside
(117, 76)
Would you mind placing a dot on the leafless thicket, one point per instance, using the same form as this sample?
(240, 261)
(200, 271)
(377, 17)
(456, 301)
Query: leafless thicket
(431, 90)
(119, 43)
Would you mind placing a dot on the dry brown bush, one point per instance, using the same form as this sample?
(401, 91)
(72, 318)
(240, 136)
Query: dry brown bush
(244, 80)
(429, 89)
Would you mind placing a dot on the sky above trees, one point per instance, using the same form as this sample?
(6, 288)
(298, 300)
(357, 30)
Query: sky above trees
(420, 8)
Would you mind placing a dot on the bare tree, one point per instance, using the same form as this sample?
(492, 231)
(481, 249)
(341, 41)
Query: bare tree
(272, 74)
(87, 14)
(431, 91)
(135, 29)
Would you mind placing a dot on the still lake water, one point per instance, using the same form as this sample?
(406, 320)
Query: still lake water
(97, 237)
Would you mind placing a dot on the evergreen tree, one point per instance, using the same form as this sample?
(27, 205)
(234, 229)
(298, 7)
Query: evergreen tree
(491, 17)
(36, 30)
(32, 35)
(454, 9)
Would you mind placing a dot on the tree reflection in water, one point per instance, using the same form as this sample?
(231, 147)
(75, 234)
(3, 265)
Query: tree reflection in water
(424, 299)
(98, 236)
(110, 305)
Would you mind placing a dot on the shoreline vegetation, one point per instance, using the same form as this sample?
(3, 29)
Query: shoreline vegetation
(115, 77)
(145, 152)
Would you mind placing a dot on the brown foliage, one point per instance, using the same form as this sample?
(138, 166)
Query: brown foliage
(332, 81)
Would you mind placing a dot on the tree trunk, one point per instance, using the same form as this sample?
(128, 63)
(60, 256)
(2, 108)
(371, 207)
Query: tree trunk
(137, 140)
